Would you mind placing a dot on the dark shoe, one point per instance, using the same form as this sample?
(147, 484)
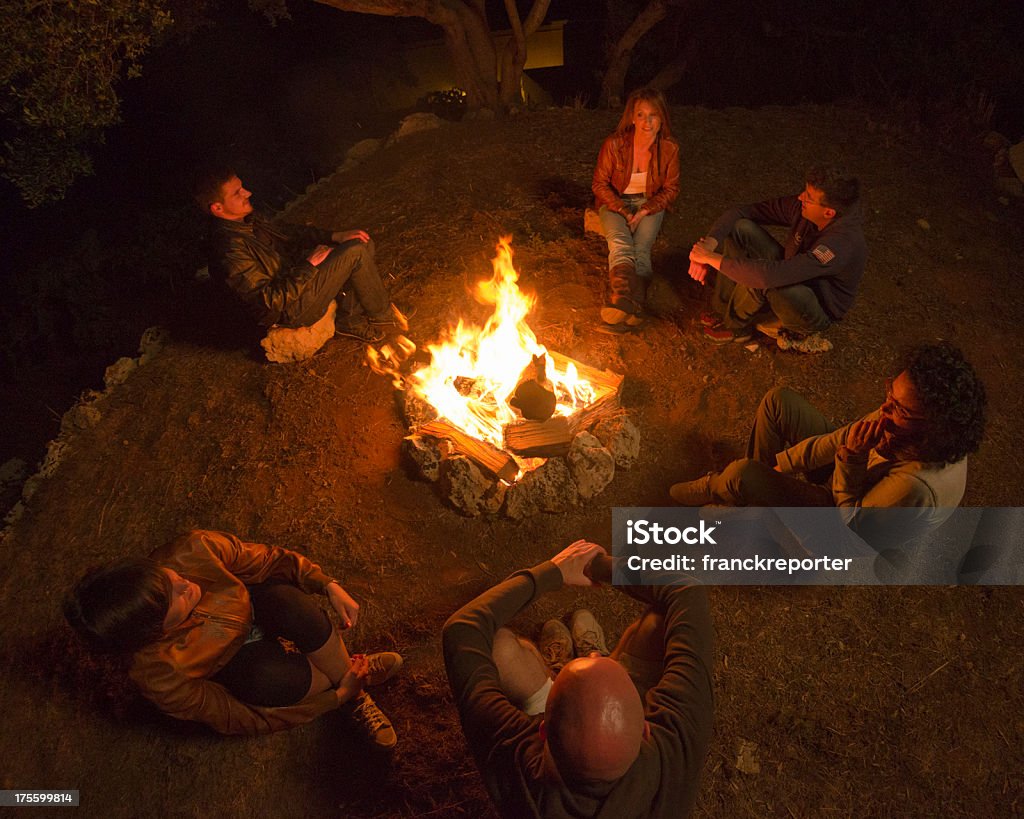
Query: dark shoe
(623, 329)
(555, 645)
(723, 335)
(693, 493)
(587, 635)
(391, 316)
(709, 319)
(771, 328)
(383, 666)
(613, 315)
(366, 333)
(372, 722)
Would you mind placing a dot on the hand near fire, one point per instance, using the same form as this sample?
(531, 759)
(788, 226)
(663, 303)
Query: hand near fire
(342, 602)
(574, 559)
(340, 236)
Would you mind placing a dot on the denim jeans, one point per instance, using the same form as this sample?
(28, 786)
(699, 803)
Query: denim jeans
(625, 246)
(348, 274)
(795, 305)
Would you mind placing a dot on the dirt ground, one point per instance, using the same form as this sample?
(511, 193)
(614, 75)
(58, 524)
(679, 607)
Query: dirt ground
(901, 701)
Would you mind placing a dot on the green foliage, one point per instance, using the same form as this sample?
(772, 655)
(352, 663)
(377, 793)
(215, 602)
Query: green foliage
(59, 69)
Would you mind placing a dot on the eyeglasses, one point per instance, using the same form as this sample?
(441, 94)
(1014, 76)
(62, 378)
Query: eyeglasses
(899, 411)
(806, 198)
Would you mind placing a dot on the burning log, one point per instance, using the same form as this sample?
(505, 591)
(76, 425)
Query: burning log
(487, 457)
(605, 384)
(539, 439)
(533, 395)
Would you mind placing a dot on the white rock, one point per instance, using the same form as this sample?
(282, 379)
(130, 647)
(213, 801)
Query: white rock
(283, 345)
(548, 488)
(152, 342)
(591, 465)
(118, 372)
(80, 416)
(621, 437)
(426, 453)
(468, 489)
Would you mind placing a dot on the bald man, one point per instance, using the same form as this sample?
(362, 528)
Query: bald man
(621, 736)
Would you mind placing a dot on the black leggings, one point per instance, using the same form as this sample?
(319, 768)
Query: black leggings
(263, 673)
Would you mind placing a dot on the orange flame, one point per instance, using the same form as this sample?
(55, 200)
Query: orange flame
(474, 370)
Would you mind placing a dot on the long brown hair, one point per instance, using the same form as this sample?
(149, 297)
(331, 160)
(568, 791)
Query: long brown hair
(652, 96)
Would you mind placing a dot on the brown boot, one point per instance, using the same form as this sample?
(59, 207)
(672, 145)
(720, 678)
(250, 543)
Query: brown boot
(623, 283)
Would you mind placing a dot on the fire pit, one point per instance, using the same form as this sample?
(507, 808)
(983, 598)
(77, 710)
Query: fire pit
(501, 422)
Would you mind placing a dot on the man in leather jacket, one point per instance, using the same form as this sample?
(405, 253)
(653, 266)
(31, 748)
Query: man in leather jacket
(289, 274)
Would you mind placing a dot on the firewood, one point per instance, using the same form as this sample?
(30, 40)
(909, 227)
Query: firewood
(539, 439)
(485, 455)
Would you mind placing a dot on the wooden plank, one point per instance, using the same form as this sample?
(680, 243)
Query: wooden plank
(603, 380)
(485, 455)
(539, 439)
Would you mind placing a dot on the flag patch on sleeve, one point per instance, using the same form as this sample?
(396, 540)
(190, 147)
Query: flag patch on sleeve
(823, 254)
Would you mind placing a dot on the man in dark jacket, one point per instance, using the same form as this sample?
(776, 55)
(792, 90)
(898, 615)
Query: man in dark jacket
(621, 736)
(790, 291)
(289, 274)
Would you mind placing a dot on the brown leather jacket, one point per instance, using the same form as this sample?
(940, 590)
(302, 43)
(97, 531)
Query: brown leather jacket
(174, 672)
(615, 165)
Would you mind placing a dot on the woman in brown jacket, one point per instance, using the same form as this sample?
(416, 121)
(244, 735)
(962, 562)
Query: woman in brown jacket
(636, 180)
(226, 633)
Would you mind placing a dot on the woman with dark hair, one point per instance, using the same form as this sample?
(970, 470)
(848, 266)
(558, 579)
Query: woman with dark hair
(227, 633)
(635, 181)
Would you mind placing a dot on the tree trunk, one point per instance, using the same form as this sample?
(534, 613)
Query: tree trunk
(674, 71)
(513, 59)
(614, 81)
(467, 37)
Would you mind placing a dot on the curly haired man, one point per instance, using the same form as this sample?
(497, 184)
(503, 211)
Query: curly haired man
(910, 452)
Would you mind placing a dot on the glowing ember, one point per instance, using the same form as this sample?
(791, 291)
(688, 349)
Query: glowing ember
(475, 370)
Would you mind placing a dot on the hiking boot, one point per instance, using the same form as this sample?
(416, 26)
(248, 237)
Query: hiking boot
(372, 722)
(615, 329)
(693, 493)
(613, 315)
(366, 333)
(723, 335)
(812, 343)
(555, 645)
(771, 328)
(382, 667)
(587, 634)
(391, 316)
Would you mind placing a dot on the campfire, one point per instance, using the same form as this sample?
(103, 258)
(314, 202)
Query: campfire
(494, 396)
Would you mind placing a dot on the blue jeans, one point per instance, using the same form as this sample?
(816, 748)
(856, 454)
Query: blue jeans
(626, 247)
(795, 305)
